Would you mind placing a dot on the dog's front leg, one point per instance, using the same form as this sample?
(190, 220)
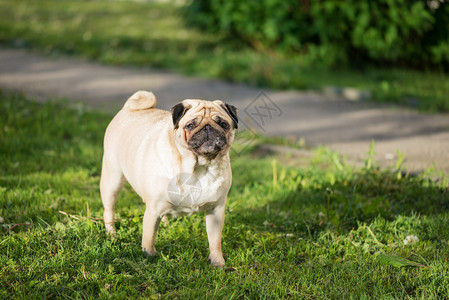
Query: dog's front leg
(214, 227)
(151, 222)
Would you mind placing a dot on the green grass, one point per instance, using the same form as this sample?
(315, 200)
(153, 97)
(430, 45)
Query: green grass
(153, 34)
(291, 232)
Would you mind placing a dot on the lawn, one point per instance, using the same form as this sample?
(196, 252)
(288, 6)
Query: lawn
(304, 227)
(153, 34)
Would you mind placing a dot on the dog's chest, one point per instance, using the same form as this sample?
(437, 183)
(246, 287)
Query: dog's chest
(191, 193)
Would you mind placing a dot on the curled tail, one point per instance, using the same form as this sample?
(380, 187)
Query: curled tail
(140, 100)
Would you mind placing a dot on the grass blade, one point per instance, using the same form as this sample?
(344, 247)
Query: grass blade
(396, 261)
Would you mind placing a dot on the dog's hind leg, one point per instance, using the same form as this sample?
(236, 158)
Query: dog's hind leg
(112, 181)
(151, 220)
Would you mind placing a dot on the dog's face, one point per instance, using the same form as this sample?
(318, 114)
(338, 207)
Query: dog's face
(205, 127)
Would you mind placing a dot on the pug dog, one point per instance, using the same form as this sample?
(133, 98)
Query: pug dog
(177, 162)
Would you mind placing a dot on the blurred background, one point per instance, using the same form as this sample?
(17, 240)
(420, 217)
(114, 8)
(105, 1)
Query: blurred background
(394, 51)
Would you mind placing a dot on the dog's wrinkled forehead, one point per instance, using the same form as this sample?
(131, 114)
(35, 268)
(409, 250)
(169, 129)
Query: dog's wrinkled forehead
(204, 108)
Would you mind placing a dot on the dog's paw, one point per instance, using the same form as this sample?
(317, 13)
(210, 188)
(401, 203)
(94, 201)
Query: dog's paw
(150, 252)
(216, 260)
(110, 230)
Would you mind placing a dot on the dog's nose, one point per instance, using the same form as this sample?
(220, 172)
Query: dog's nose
(208, 128)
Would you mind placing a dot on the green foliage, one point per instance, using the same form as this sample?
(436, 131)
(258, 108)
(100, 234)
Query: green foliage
(290, 232)
(334, 32)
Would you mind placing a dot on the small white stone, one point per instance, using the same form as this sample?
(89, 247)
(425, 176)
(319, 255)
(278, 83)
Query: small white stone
(411, 239)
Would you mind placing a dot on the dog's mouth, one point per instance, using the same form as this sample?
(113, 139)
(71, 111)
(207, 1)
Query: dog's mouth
(208, 142)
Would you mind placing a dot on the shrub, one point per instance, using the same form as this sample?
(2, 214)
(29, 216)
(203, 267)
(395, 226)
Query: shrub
(412, 33)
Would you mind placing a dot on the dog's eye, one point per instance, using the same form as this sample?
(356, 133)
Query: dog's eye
(224, 125)
(190, 126)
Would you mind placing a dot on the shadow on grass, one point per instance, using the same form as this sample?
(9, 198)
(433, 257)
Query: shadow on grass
(316, 200)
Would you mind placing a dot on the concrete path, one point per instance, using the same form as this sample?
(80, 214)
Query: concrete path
(342, 125)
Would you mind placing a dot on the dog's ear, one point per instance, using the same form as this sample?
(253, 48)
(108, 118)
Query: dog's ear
(233, 113)
(177, 112)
